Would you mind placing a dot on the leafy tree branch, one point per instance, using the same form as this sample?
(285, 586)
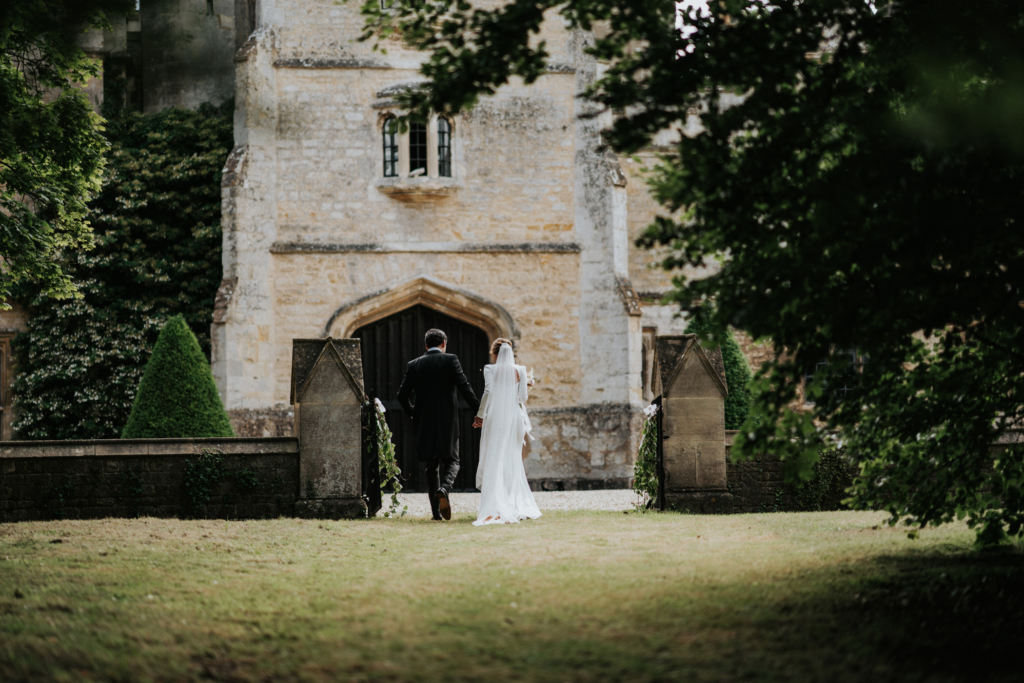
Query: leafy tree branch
(51, 142)
(854, 169)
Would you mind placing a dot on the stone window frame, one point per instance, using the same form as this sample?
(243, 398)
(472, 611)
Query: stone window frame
(418, 137)
(857, 362)
(433, 149)
(390, 148)
(444, 146)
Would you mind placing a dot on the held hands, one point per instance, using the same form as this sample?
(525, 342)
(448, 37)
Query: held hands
(478, 422)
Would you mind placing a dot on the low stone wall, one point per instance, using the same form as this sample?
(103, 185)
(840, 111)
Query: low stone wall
(583, 448)
(144, 477)
(580, 484)
(759, 485)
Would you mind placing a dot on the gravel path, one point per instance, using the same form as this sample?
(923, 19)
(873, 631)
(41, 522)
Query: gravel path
(614, 500)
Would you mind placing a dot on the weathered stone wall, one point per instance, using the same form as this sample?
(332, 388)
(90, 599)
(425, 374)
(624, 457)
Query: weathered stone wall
(188, 52)
(580, 448)
(311, 287)
(756, 353)
(263, 423)
(15, 319)
(759, 486)
(650, 280)
(141, 477)
(12, 322)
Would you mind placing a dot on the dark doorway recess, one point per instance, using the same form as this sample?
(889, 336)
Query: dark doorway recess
(387, 346)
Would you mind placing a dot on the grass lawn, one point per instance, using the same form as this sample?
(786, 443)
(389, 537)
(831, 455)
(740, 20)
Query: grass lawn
(570, 597)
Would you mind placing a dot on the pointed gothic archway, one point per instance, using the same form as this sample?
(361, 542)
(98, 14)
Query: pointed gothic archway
(389, 343)
(435, 294)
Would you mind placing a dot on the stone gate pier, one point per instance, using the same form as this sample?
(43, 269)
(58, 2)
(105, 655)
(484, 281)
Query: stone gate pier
(327, 392)
(693, 391)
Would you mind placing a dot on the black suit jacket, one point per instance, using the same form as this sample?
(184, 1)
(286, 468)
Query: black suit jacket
(435, 377)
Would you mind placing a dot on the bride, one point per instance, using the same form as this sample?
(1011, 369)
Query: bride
(505, 496)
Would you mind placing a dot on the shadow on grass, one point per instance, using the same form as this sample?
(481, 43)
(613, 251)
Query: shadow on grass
(938, 614)
(942, 615)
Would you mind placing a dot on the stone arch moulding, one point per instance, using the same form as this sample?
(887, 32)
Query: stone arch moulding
(427, 291)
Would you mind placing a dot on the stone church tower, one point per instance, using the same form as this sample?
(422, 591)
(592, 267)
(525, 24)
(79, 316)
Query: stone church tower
(511, 220)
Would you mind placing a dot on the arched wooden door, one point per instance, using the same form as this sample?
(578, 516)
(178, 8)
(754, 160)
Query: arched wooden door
(387, 345)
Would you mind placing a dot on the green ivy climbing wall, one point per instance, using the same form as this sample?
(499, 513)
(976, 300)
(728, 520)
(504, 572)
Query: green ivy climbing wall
(737, 375)
(157, 254)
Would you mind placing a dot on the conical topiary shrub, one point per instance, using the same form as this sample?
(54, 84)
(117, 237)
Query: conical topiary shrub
(177, 397)
(737, 374)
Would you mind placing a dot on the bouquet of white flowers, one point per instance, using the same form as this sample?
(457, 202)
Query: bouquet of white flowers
(390, 472)
(645, 471)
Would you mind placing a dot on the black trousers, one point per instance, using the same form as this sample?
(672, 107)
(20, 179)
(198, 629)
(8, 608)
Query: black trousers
(440, 474)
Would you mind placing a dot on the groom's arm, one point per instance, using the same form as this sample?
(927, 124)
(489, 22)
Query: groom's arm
(406, 389)
(462, 384)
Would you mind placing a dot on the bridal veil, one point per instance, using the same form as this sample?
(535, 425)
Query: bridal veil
(505, 493)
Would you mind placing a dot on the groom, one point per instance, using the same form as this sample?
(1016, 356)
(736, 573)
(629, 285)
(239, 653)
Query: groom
(434, 378)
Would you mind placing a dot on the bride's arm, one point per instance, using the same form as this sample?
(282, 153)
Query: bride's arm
(523, 394)
(487, 391)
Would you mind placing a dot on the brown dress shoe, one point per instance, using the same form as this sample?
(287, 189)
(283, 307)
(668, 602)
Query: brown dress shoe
(443, 505)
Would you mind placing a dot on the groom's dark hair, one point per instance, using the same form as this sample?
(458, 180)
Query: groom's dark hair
(435, 338)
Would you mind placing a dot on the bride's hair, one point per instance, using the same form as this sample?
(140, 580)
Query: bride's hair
(496, 345)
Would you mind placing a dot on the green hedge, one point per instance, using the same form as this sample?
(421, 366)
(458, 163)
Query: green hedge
(177, 397)
(737, 374)
(157, 254)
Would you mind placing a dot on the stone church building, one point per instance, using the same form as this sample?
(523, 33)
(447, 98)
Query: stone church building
(511, 220)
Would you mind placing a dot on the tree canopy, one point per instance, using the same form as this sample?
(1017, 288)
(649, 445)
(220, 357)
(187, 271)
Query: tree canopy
(855, 169)
(51, 142)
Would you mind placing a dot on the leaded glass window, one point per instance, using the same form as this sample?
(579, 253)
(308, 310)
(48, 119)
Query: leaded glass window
(417, 149)
(444, 147)
(391, 148)
(848, 365)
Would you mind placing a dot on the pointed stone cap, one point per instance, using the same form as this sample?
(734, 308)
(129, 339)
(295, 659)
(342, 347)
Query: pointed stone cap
(676, 351)
(307, 353)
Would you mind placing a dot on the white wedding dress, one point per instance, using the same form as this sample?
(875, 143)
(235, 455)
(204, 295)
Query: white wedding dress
(505, 496)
